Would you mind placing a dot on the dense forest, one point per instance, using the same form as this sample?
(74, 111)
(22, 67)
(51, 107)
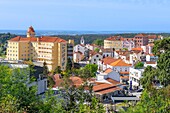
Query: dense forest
(89, 38)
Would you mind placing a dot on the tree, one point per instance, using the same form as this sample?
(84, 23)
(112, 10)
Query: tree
(45, 69)
(139, 65)
(68, 65)
(15, 94)
(88, 71)
(98, 42)
(97, 50)
(57, 70)
(155, 100)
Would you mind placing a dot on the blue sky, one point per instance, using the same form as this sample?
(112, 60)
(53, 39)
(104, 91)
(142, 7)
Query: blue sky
(83, 15)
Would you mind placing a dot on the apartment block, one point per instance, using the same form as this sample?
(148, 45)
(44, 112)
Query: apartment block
(52, 50)
(113, 42)
(141, 40)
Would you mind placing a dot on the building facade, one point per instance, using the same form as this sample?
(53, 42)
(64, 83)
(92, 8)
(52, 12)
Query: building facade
(141, 40)
(134, 78)
(113, 42)
(52, 50)
(70, 49)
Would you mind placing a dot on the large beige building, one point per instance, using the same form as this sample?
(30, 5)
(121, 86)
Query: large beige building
(52, 50)
(113, 42)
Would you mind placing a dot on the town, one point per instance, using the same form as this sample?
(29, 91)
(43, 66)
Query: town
(113, 70)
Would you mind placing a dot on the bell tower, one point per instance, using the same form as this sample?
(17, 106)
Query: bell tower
(82, 41)
(30, 32)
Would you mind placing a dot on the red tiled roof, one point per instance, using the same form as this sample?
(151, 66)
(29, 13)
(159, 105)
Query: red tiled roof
(76, 81)
(102, 87)
(113, 89)
(108, 60)
(120, 62)
(114, 82)
(124, 77)
(115, 38)
(41, 39)
(137, 49)
(30, 29)
(57, 80)
(152, 36)
(150, 62)
(124, 72)
(141, 35)
(151, 44)
(108, 70)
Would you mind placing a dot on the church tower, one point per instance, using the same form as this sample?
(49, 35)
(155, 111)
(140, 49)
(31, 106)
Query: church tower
(82, 41)
(30, 32)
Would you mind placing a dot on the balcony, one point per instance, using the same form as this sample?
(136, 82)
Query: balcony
(44, 46)
(45, 50)
(48, 58)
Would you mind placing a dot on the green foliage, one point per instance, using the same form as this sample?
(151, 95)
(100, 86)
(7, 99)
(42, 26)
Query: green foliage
(97, 50)
(57, 70)
(160, 45)
(45, 69)
(15, 95)
(139, 65)
(98, 42)
(88, 71)
(125, 49)
(69, 65)
(156, 100)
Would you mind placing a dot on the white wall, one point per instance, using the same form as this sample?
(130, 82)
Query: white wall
(79, 48)
(135, 76)
(119, 68)
(94, 59)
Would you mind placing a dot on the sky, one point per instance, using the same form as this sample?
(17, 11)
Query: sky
(85, 15)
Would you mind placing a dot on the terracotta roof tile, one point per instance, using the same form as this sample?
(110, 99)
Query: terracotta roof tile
(102, 87)
(124, 77)
(41, 39)
(115, 38)
(151, 62)
(152, 36)
(30, 29)
(141, 35)
(119, 62)
(114, 82)
(124, 72)
(113, 89)
(137, 49)
(108, 70)
(108, 60)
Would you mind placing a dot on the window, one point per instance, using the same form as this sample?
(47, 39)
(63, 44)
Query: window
(94, 59)
(97, 55)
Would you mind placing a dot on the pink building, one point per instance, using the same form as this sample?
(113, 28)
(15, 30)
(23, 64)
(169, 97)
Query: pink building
(141, 40)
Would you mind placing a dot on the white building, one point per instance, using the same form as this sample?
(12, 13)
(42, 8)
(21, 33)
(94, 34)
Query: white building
(134, 78)
(95, 58)
(151, 57)
(77, 56)
(108, 73)
(119, 66)
(80, 47)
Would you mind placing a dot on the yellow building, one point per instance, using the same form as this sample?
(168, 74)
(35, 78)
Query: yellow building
(113, 42)
(52, 50)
